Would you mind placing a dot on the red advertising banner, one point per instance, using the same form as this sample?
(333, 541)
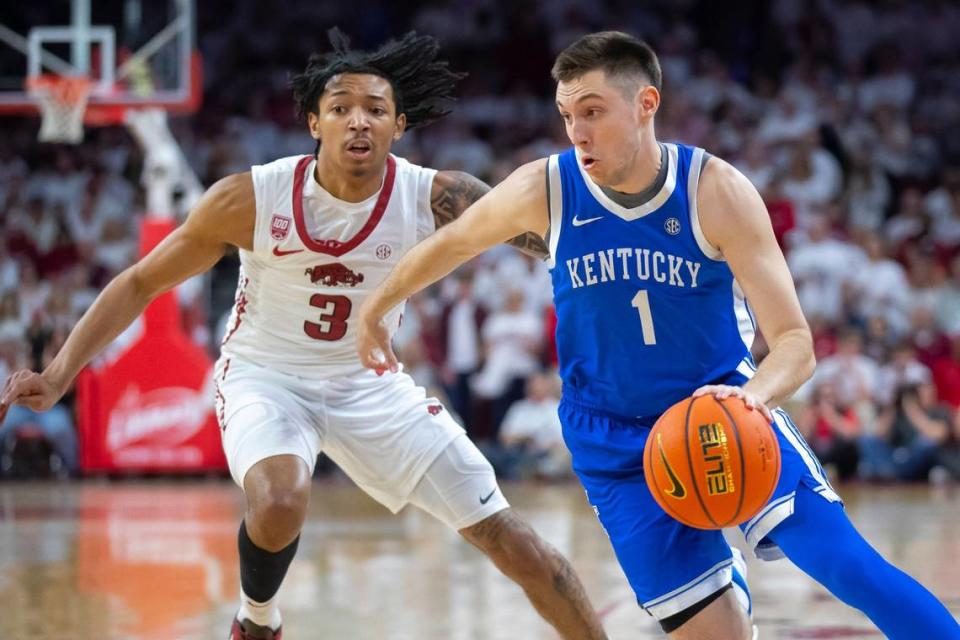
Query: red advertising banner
(152, 408)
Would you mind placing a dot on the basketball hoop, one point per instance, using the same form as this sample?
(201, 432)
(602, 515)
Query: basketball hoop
(62, 101)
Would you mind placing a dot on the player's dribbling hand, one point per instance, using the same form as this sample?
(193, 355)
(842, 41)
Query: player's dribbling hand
(29, 389)
(373, 344)
(721, 391)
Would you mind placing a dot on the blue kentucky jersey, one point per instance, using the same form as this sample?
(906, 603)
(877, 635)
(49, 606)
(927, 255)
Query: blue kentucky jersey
(647, 310)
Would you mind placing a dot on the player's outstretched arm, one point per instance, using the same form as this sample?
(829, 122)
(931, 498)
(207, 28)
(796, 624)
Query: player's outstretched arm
(735, 221)
(455, 191)
(515, 207)
(224, 216)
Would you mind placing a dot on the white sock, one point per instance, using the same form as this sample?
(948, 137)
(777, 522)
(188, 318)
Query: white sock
(265, 614)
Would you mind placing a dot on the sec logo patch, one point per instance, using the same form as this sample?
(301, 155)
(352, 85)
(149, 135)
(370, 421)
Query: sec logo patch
(384, 251)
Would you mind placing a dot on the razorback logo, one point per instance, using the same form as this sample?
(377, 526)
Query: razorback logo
(334, 275)
(434, 409)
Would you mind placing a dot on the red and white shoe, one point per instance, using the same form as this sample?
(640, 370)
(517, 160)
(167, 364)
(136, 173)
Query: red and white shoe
(247, 630)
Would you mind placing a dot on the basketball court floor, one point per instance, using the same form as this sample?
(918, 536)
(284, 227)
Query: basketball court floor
(154, 560)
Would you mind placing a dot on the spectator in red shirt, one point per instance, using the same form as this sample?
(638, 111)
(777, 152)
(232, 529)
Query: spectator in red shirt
(832, 430)
(946, 375)
(929, 341)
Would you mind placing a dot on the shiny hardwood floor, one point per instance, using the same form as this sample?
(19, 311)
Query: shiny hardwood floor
(152, 560)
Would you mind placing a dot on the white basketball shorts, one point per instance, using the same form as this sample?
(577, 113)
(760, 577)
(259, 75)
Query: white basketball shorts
(382, 431)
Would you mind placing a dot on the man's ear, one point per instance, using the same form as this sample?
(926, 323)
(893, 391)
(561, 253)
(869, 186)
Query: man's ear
(313, 124)
(401, 126)
(647, 102)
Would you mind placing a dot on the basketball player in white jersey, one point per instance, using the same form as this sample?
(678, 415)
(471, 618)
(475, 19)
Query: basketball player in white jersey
(316, 234)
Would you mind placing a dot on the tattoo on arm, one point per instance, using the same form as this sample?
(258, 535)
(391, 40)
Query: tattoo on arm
(455, 191)
(531, 244)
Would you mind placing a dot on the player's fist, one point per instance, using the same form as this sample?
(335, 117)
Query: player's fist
(373, 343)
(29, 389)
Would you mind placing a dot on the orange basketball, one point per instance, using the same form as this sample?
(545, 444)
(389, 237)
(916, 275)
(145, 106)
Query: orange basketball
(711, 463)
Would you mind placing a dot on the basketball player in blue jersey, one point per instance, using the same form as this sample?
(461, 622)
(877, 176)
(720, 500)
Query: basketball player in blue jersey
(654, 251)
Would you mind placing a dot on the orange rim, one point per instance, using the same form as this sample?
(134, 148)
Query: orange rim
(66, 89)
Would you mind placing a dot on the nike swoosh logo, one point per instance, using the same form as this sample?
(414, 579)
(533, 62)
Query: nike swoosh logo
(489, 495)
(577, 222)
(277, 251)
(678, 491)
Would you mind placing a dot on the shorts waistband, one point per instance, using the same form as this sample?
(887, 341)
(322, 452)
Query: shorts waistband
(639, 421)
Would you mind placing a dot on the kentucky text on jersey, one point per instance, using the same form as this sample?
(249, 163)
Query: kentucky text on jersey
(626, 263)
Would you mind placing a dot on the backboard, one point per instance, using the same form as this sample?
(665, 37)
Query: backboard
(136, 54)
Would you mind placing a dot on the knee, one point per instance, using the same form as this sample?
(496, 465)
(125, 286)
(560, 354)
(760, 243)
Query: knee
(723, 618)
(276, 512)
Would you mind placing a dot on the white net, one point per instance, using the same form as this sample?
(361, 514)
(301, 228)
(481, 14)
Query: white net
(62, 101)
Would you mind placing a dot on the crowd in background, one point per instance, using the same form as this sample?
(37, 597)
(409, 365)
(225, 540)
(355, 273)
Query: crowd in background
(844, 114)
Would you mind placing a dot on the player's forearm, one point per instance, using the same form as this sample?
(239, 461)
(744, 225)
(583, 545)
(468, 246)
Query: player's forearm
(789, 364)
(113, 311)
(426, 263)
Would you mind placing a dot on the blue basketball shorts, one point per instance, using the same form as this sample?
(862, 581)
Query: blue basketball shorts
(669, 565)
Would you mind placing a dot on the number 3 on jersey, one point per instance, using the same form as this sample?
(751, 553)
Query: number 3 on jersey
(333, 319)
(641, 302)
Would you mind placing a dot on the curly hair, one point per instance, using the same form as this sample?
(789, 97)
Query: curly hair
(422, 85)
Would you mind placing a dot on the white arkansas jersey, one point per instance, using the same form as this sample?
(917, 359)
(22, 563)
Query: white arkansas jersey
(314, 260)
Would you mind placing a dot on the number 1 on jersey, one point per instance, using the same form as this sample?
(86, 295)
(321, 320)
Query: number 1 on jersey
(641, 302)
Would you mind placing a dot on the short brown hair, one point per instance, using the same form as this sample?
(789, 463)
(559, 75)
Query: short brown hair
(614, 52)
